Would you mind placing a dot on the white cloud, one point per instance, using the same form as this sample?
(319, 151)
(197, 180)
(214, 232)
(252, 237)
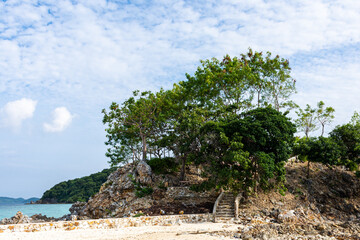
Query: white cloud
(15, 112)
(61, 120)
(100, 51)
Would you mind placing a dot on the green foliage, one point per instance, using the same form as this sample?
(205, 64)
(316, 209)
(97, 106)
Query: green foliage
(248, 152)
(310, 118)
(347, 136)
(306, 121)
(324, 150)
(143, 191)
(132, 126)
(162, 186)
(163, 165)
(139, 214)
(324, 115)
(321, 149)
(79, 189)
(140, 191)
(171, 121)
(230, 85)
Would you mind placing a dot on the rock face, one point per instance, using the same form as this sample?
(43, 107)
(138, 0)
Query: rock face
(144, 171)
(135, 189)
(76, 208)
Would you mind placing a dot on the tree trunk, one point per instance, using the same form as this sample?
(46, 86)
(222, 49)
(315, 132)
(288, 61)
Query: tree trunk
(308, 165)
(143, 139)
(308, 169)
(182, 174)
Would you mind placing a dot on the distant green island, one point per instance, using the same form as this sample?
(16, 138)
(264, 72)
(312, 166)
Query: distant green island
(79, 189)
(8, 200)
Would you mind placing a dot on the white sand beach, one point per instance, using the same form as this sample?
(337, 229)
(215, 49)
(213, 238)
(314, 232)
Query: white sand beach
(198, 231)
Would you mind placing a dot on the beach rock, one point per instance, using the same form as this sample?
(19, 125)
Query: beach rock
(41, 218)
(5, 221)
(76, 208)
(21, 218)
(18, 218)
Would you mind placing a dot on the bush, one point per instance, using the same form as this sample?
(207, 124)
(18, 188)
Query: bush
(143, 191)
(165, 165)
(323, 150)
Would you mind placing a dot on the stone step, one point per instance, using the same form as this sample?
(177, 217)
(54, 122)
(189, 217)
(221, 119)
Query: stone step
(230, 204)
(225, 210)
(225, 206)
(227, 199)
(225, 214)
(224, 217)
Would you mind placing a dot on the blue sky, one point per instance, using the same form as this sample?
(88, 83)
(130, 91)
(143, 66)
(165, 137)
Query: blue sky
(61, 62)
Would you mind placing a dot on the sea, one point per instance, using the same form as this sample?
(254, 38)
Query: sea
(50, 210)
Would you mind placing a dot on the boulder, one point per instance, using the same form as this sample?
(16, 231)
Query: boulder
(144, 173)
(76, 208)
(18, 218)
(287, 217)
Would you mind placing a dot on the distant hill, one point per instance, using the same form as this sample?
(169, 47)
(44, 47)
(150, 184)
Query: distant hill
(8, 200)
(79, 189)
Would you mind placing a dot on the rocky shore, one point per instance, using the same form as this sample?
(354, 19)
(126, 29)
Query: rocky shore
(299, 224)
(325, 206)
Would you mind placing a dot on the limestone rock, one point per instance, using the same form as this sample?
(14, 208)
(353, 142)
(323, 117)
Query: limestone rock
(76, 208)
(144, 173)
(287, 217)
(118, 196)
(18, 218)
(41, 218)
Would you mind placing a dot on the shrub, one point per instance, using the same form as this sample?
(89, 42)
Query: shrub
(143, 191)
(163, 165)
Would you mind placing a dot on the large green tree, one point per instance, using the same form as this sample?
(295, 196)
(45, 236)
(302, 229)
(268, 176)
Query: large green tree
(131, 126)
(248, 152)
(269, 79)
(170, 121)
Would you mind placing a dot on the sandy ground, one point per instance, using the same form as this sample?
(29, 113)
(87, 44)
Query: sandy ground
(199, 231)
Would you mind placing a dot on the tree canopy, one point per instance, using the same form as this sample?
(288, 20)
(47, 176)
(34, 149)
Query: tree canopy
(247, 152)
(227, 116)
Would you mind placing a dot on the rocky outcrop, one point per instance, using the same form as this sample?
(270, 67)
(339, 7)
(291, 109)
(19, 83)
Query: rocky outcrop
(76, 208)
(18, 218)
(135, 190)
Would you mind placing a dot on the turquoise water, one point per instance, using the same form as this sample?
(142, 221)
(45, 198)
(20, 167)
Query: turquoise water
(50, 210)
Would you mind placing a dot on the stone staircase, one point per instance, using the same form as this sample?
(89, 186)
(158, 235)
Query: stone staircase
(225, 210)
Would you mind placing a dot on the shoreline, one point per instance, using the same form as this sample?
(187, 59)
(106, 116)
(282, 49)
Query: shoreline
(186, 231)
(185, 227)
